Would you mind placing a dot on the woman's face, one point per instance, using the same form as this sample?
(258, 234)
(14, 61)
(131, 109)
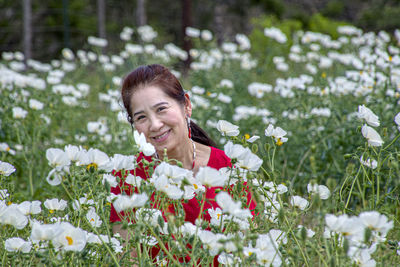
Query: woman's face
(160, 118)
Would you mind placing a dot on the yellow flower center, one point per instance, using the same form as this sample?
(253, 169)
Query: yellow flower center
(247, 136)
(390, 58)
(51, 211)
(92, 220)
(94, 165)
(195, 186)
(70, 241)
(8, 149)
(250, 253)
(208, 93)
(323, 75)
(9, 203)
(218, 215)
(279, 142)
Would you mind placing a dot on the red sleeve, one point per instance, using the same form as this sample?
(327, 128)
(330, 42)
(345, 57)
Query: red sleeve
(218, 159)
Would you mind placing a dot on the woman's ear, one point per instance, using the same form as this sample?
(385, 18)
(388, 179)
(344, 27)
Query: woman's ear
(188, 105)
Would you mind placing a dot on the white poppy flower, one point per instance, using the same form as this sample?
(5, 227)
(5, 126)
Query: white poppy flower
(253, 139)
(278, 133)
(249, 161)
(13, 216)
(16, 244)
(372, 136)
(369, 162)
(149, 215)
(71, 238)
(367, 114)
(161, 183)
(42, 232)
(376, 221)
(321, 190)
(19, 113)
(234, 151)
(133, 180)
(124, 202)
(140, 140)
(28, 207)
(57, 158)
(227, 129)
(6, 168)
(211, 177)
(93, 218)
(397, 120)
(111, 179)
(35, 104)
(55, 204)
(95, 158)
(299, 202)
(121, 162)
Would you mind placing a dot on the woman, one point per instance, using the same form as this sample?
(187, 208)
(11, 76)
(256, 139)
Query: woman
(158, 107)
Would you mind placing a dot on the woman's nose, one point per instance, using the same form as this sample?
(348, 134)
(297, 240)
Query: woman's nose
(155, 124)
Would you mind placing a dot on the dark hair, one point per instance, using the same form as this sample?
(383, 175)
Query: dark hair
(156, 74)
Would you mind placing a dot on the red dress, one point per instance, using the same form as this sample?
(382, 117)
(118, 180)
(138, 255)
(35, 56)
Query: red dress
(217, 160)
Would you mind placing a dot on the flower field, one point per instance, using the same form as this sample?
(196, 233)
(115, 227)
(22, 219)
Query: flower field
(311, 124)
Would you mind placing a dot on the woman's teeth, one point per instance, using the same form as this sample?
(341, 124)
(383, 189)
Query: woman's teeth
(161, 136)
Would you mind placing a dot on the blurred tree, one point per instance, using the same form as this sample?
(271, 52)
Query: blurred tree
(27, 30)
(141, 18)
(101, 18)
(186, 22)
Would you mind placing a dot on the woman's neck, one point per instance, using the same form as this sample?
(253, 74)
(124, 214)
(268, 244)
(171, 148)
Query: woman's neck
(182, 153)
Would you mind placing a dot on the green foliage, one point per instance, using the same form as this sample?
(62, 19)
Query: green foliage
(319, 23)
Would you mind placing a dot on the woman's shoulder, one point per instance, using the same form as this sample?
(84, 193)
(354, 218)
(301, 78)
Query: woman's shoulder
(218, 159)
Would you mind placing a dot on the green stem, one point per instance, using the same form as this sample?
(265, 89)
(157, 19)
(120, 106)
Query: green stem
(160, 242)
(107, 247)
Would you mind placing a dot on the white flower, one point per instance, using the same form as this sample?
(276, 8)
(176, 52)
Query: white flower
(211, 177)
(366, 114)
(275, 34)
(71, 238)
(321, 190)
(372, 136)
(376, 221)
(95, 158)
(369, 163)
(140, 140)
(35, 104)
(17, 244)
(73, 152)
(19, 113)
(146, 33)
(42, 232)
(13, 216)
(299, 202)
(28, 207)
(253, 139)
(278, 133)
(227, 129)
(225, 201)
(397, 120)
(149, 216)
(192, 32)
(124, 202)
(6, 168)
(249, 161)
(111, 179)
(57, 158)
(134, 180)
(121, 162)
(206, 35)
(93, 218)
(258, 89)
(55, 204)
(244, 42)
(96, 41)
(6, 148)
(162, 184)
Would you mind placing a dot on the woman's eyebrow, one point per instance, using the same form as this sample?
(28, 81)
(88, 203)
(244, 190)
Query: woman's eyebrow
(154, 106)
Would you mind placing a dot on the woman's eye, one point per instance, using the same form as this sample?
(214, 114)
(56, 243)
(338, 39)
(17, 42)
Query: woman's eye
(139, 118)
(161, 109)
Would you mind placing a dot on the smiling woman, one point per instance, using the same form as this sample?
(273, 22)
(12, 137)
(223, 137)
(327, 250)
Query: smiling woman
(160, 110)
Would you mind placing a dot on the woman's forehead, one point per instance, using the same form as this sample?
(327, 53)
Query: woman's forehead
(149, 96)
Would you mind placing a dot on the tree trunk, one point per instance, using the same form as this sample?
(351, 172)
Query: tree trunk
(27, 9)
(186, 22)
(101, 18)
(219, 21)
(141, 18)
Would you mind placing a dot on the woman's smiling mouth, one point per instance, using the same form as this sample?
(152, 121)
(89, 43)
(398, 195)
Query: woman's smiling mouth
(162, 137)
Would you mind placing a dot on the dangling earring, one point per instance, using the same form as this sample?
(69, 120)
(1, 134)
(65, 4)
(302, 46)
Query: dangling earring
(190, 131)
